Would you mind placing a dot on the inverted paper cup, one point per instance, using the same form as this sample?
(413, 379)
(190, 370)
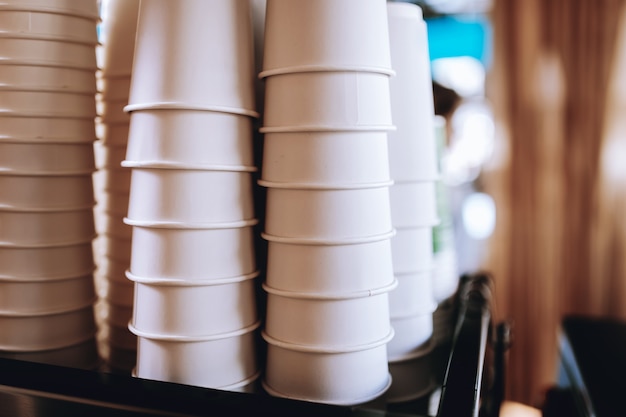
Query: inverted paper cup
(46, 193)
(412, 147)
(190, 196)
(112, 224)
(113, 270)
(327, 100)
(413, 296)
(326, 157)
(412, 249)
(113, 247)
(114, 134)
(193, 254)
(45, 297)
(113, 204)
(327, 214)
(177, 308)
(46, 129)
(52, 228)
(116, 315)
(213, 362)
(204, 53)
(109, 156)
(38, 78)
(114, 89)
(113, 180)
(325, 322)
(51, 53)
(46, 158)
(113, 111)
(250, 385)
(413, 376)
(412, 333)
(46, 263)
(51, 26)
(445, 275)
(294, 33)
(190, 137)
(117, 32)
(119, 337)
(54, 104)
(83, 8)
(328, 269)
(336, 377)
(43, 332)
(118, 293)
(413, 204)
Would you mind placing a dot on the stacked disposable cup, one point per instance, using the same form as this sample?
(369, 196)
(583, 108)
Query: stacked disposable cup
(47, 111)
(328, 218)
(413, 166)
(191, 206)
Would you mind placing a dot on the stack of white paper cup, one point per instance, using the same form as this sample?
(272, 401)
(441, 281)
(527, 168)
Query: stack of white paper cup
(328, 217)
(413, 166)
(117, 344)
(191, 207)
(47, 111)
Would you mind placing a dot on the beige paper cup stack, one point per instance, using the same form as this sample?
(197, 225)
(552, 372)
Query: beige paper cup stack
(47, 111)
(328, 217)
(190, 206)
(413, 166)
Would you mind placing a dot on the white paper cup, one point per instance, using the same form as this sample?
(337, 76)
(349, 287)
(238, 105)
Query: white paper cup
(43, 332)
(327, 214)
(109, 156)
(46, 129)
(46, 263)
(113, 89)
(118, 30)
(193, 254)
(412, 333)
(215, 362)
(413, 376)
(329, 269)
(445, 275)
(54, 104)
(327, 101)
(112, 180)
(204, 54)
(294, 33)
(45, 297)
(118, 292)
(119, 337)
(113, 247)
(52, 228)
(45, 193)
(113, 111)
(180, 309)
(325, 322)
(250, 385)
(47, 53)
(114, 204)
(412, 249)
(38, 78)
(413, 296)
(413, 204)
(326, 158)
(113, 270)
(49, 26)
(46, 158)
(412, 147)
(83, 8)
(114, 134)
(190, 137)
(83, 355)
(112, 224)
(116, 315)
(343, 378)
(190, 196)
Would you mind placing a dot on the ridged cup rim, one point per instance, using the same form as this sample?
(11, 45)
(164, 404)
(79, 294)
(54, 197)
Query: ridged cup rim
(297, 69)
(328, 242)
(187, 339)
(305, 295)
(183, 166)
(327, 349)
(327, 128)
(323, 186)
(239, 224)
(176, 105)
(173, 282)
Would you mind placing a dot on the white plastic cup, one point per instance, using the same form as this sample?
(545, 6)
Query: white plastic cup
(52, 228)
(412, 249)
(413, 296)
(212, 362)
(180, 309)
(50, 26)
(112, 112)
(190, 196)
(412, 147)
(197, 54)
(114, 134)
(38, 78)
(326, 158)
(118, 29)
(193, 254)
(313, 101)
(87, 9)
(413, 376)
(333, 377)
(113, 89)
(46, 158)
(190, 137)
(412, 333)
(44, 332)
(45, 297)
(413, 204)
(340, 214)
(328, 269)
(328, 322)
(118, 336)
(37, 103)
(46, 129)
(83, 355)
(294, 34)
(46, 263)
(51, 53)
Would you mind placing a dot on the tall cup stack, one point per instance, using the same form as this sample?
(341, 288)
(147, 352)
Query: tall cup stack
(328, 217)
(413, 166)
(191, 210)
(117, 344)
(47, 111)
